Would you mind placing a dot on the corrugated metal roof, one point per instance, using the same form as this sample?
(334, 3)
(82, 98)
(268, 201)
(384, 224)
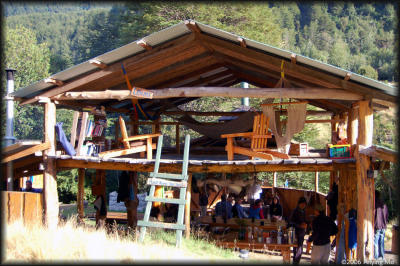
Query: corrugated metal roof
(178, 30)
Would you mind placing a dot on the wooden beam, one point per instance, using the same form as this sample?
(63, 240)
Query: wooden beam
(316, 180)
(242, 42)
(195, 113)
(50, 194)
(82, 133)
(27, 161)
(26, 152)
(204, 168)
(81, 193)
(98, 63)
(299, 93)
(54, 81)
(365, 185)
(137, 65)
(144, 44)
(187, 206)
(295, 70)
(381, 153)
(347, 77)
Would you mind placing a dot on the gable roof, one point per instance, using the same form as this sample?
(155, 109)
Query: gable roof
(192, 54)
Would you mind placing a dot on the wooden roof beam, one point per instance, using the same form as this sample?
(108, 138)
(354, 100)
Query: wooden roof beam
(158, 57)
(381, 153)
(98, 63)
(300, 93)
(295, 70)
(53, 81)
(347, 77)
(144, 44)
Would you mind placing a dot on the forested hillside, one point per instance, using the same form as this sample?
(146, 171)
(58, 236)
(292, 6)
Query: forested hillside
(361, 37)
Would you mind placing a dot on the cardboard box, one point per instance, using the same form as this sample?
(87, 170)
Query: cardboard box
(298, 149)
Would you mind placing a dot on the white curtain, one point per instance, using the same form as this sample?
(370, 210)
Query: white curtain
(295, 123)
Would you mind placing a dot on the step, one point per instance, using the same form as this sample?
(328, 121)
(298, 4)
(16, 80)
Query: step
(169, 176)
(173, 226)
(163, 182)
(166, 200)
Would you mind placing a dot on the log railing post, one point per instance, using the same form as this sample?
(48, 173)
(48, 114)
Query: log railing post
(51, 208)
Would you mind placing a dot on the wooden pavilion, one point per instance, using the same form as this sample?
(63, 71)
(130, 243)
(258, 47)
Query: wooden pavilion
(192, 60)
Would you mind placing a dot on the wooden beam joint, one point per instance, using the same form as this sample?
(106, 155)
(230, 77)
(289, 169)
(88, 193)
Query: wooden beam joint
(144, 44)
(242, 42)
(98, 63)
(191, 25)
(54, 81)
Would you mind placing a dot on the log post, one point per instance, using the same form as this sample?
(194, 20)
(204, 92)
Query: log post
(101, 180)
(81, 193)
(131, 204)
(274, 183)
(316, 180)
(187, 206)
(352, 126)
(177, 141)
(365, 185)
(51, 208)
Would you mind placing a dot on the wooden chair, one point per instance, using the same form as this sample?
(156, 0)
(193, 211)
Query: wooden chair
(133, 144)
(258, 147)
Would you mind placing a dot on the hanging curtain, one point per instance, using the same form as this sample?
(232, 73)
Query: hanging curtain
(295, 123)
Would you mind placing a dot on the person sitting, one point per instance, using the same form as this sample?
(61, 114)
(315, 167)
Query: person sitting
(223, 208)
(237, 210)
(29, 188)
(256, 210)
(276, 211)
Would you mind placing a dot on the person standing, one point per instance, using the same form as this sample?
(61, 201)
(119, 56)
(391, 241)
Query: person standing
(322, 228)
(298, 220)
(381, 220)
(203, 202)
(29, 188)
(223, 208)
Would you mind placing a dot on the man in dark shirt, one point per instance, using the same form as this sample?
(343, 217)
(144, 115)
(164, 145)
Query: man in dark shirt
(381, 220)
(223, 208)
(322, 228)
(237, 209)
(298, 220)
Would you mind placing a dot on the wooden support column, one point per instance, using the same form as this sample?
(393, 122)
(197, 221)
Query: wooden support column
(177, 141)
(131, 205)
(187, 206)
(81, 193)
(365, 185)
(101, 181)
(274, 182)
(316, 180)
(51, 208)
(116, 136)
(352, 126)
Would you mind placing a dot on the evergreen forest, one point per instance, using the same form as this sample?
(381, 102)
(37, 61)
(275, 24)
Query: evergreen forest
(44, 38)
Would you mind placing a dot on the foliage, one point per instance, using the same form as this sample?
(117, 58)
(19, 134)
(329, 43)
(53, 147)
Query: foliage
(31, 60)
(67, 186)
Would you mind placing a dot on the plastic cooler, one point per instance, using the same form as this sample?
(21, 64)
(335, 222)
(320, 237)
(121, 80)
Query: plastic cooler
(339, 151)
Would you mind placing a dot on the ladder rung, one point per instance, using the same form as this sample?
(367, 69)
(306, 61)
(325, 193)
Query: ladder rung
(163, 182)
(166, 200)
(162, 225)
(170, 176)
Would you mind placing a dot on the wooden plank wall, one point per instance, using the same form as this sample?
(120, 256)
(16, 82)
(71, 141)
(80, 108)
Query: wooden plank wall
(288, 198)
(27, 206)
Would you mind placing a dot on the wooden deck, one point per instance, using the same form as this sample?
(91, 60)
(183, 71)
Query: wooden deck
(205, 163)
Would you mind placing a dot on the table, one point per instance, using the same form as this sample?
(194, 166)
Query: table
(284, 248)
